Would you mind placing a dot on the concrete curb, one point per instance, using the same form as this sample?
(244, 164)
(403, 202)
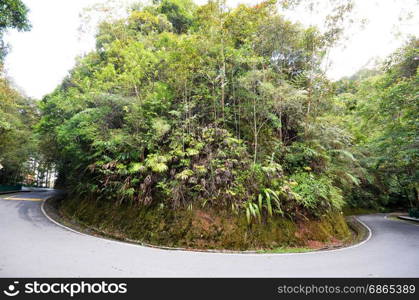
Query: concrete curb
(365, 237)
(10, 192)
(408, 218)
(395, 217)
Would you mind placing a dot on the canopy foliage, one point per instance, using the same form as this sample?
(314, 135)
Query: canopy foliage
(183, 105)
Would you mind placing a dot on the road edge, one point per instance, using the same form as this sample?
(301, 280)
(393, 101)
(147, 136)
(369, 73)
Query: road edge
(356, 224)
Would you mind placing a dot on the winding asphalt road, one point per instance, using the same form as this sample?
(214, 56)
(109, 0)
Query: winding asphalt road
(33, 246)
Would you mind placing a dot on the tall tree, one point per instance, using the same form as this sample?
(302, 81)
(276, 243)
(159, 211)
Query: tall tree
(13, 15)
(16, 112)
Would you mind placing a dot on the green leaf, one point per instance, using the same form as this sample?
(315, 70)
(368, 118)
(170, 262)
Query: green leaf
(248, 215)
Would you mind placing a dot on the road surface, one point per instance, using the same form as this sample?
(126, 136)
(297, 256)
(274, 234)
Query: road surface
(33, 246)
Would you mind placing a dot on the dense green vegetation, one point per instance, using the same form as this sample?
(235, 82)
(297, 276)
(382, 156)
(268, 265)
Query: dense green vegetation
(184, 106)
(381, 110)
(17, 145)
(201, 121)
(17, 113)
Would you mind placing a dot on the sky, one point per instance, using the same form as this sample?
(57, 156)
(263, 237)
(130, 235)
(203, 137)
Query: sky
(40, 59)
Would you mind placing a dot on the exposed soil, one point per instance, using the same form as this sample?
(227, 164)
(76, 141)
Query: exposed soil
(199, 229)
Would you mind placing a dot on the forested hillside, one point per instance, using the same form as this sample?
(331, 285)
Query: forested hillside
(380, 109)
(204, 126)
(17, 145)
(17, 113)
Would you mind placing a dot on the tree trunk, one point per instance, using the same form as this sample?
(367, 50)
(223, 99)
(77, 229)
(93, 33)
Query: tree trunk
(255, 134)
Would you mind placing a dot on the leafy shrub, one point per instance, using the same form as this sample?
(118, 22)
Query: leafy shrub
(316, 193)
(414, 212)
